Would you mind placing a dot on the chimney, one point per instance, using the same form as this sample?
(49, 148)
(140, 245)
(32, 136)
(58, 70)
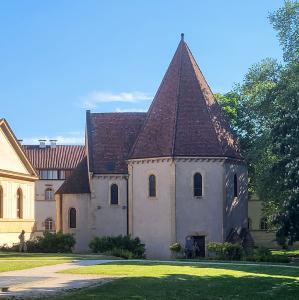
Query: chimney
(42, 144)
(53, 144)
(20, 142)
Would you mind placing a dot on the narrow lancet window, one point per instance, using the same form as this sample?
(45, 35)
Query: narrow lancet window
(197, 185)
(114, 194)
(152, 186)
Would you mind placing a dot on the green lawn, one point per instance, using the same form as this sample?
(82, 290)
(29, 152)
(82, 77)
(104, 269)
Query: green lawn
(294, 252)
(20, 261)
(148, 280)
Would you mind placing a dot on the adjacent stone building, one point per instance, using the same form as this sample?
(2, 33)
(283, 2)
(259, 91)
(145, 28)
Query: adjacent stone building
(17, 181)
(165, 175)
(54, 163)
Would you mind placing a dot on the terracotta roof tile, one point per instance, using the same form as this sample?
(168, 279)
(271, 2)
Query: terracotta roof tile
(60, 157)
(78, 182)
(110, 138)
(184, 118)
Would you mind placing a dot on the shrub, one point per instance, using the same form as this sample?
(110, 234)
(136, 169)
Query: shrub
(262, 254)
(6, 248)
(118, 244)
(225, 251)
(176, 247)
(118, 252)
(48, 243)
(52, 243)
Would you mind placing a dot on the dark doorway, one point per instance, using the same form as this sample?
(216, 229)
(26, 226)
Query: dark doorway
(199, 245)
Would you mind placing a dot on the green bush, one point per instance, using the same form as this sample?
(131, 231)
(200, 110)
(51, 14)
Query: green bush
(52, 243)
(262, 254)
(118, 252)
(124, 245)
(225, 251)
(48, 243)
(176, 247)
(6, 248)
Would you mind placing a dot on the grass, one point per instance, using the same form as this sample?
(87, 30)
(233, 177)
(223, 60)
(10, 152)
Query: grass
(10, 261)
(6, 266)
(148, 280)
(293, 252)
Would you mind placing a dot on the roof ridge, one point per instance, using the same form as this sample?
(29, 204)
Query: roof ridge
(177, 100)
(149, 111)
(207, 106)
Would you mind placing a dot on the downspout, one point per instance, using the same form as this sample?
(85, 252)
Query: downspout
(60, 208)
(127, 182)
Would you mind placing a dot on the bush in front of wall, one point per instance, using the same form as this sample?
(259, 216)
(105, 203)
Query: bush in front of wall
(120, 245)
(225, 251)
(48, 243)
(52, 243)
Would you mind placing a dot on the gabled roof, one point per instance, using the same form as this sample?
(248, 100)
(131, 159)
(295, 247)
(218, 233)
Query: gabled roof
(110, 137)
(184, 118)
(60, 157)
(78, 182)
(32, 174)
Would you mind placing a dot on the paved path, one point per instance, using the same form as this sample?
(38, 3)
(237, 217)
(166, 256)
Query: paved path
(43, 281)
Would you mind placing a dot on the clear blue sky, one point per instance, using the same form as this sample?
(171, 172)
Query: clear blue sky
(58, 58)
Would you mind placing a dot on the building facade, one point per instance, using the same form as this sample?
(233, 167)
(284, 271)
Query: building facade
(54, 163)
(17, 183)
(168, 175)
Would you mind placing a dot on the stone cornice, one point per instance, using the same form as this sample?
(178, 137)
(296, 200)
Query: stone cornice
(184, 159)
(110, 176)
(16, 175)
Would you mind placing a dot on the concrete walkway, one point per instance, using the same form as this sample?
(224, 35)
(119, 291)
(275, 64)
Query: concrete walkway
(45, 281)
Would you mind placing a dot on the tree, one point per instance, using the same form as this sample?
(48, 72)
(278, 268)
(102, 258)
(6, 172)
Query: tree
(285, 21)
(266, 121)
(285, 145)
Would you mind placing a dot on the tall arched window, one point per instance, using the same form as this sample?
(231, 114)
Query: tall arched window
(197, 185)
(72, 217)
(114, 194)
(49, 224)
(49, 194)
(235, 186)
(263, 224)
(19, 203)
(1, 202)
(152, 186)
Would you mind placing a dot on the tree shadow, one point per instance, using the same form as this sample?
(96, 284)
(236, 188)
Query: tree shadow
(282, 270)
(182, 286)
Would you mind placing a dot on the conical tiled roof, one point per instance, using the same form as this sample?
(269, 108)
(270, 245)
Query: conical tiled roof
(184, 118)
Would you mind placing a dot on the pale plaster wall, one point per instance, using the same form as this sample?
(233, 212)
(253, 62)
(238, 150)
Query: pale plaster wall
(235, 209)
(9, 159)
(108, 219)
(255, 213)
(10, 226)
(81, 202)
(199, 215)
(261, 237)
(153, 218)
(45, 208)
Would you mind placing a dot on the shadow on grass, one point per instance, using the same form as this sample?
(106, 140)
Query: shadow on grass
(182, 286)
(255, 269)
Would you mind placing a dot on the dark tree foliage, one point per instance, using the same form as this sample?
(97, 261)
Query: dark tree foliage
(264, 113)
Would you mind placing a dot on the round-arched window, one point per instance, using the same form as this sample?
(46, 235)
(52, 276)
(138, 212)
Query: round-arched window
(72, 217)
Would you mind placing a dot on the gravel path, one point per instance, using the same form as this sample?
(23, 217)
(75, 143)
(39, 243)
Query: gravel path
(45, 281)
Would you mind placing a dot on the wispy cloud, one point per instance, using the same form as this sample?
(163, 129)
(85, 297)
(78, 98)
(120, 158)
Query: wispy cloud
(119, 109)
(70, 138)
(92, 99)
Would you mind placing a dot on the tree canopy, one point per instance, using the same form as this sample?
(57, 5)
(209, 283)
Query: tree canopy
(264, 113)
